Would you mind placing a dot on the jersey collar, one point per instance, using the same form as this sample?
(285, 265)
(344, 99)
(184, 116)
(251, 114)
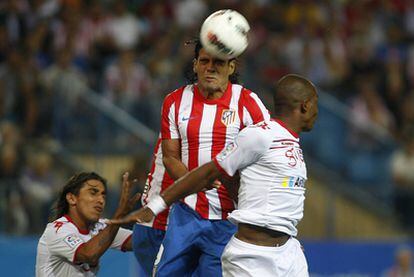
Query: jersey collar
(82, 231)
(283, 124)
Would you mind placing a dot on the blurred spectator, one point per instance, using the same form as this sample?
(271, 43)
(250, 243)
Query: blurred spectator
(64, 83)
(18, 81)
(127, 84)
(402, 167)
(407, 113)
(14, 20)
(43, 9)
(13, 214)
(197, 9)
(157, 19)
(39, 189)
(394, 84)
(403, 264)
(368, 115)
(124, 27)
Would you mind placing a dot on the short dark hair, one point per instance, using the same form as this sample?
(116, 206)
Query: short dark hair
(191, 76)
(74, 185)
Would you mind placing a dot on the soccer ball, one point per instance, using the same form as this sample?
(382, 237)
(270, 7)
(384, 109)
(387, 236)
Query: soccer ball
(224, 34)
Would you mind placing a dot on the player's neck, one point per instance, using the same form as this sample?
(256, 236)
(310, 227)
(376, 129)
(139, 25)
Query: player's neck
(79, 221)
(212, 94)
(290, 123)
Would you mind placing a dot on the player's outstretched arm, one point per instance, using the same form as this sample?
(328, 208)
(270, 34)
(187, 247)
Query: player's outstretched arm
(91, 251)
(194, 181)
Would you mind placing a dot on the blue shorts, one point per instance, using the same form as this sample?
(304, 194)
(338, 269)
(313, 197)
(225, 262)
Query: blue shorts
(192, 245)
(146, 242)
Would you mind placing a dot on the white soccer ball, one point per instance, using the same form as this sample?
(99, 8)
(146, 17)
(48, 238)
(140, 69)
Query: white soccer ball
(224, 34)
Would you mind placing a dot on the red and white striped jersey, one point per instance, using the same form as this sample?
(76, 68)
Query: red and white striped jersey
(158, 180)
(204, 128)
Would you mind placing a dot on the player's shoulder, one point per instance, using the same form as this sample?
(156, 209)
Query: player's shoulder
(60, 226)
(281, 131)
(244, 92)
(176, 93)
(260, 133)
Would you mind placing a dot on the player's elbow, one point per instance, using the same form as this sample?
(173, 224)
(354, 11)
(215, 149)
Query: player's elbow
(86, 256)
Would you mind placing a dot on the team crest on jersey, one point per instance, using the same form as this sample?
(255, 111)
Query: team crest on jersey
(228, 117)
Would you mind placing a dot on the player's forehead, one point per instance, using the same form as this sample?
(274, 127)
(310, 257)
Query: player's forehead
(203, 54)
(94, 185)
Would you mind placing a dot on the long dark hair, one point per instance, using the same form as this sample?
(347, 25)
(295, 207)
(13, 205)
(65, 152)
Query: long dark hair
(189, 73)
(74, 185)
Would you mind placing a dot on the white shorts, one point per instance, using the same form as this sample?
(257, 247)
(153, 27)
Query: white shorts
(244, 259)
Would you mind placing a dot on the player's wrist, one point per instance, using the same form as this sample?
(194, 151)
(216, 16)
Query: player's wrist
(157, 205)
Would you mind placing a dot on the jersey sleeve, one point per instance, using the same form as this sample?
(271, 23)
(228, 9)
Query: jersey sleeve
(250, 144)
(121, 239)
(254, 111)
(169, 127)
(63, 241)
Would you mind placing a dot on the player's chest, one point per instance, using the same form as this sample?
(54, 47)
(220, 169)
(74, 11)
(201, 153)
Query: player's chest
(207, 121)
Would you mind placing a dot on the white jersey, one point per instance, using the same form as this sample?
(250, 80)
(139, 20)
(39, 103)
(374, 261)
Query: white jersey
(58, 245)
(272, 176)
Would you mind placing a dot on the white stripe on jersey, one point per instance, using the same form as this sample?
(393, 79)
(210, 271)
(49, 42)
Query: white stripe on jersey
(204, 153)
(234, 104)
(185, 113)
(174, 132)
(206, 136)
(247, 119)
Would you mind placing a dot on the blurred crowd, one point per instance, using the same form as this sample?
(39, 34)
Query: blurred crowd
(134, 52)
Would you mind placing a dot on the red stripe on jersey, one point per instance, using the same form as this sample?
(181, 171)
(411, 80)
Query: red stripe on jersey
(252, 106)
(219, 141)
(171, 99)
(193, 135)
(240, 110)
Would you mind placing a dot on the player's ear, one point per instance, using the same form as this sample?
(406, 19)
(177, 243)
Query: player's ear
(232, 66)
(306, 106)
(70, 197)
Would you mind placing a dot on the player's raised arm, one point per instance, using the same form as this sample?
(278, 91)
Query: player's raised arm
(91, 251)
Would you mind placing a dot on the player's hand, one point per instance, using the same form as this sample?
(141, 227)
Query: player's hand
(142, 215)
(126, 202)
(215, 185)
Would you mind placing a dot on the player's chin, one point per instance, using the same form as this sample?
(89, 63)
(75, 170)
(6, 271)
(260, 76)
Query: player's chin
(211, 83)
(95, 216)
(308, 128)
